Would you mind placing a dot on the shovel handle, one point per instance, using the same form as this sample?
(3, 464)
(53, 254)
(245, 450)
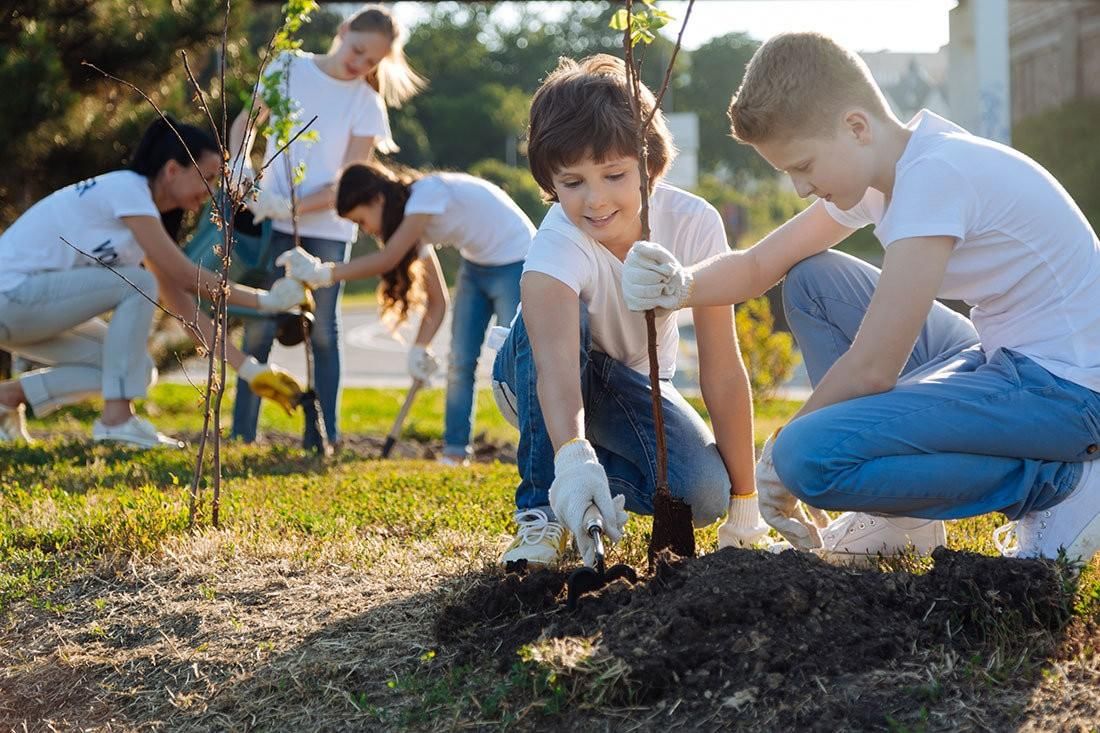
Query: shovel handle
(593, 527)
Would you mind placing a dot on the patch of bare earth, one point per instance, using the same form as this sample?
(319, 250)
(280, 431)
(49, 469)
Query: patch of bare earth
(207, 637)
(752, 641)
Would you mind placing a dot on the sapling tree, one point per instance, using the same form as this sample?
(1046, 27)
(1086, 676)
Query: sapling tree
(672, 525)
(237, 185)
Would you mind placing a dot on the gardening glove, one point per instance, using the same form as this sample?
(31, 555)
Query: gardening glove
(779, 507)
(301, 265)
(284, 295)
(744, 527)
(580, 481)
(270, 205)
(272, 382)
(653, 279)
(422, 363)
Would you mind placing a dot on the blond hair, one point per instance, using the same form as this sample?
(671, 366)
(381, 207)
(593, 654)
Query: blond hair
(585, 109)
(393, 78)
(795, 85)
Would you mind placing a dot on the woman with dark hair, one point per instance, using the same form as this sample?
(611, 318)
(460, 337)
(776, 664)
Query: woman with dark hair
(406, 208)
(108, 244)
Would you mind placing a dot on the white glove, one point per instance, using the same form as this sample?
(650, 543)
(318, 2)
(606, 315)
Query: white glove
(580, 481)
(301, 265)
(779, 507)
(744, 526)
(270, 205)
(422, 363)
(652, 278)
(284, 295)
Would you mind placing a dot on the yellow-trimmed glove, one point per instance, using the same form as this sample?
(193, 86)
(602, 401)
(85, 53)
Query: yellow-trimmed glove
(273, 383)
(744, 527)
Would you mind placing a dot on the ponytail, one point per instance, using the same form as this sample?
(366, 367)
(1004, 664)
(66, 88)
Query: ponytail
(160, 144)
(393, 78)
(402, 288)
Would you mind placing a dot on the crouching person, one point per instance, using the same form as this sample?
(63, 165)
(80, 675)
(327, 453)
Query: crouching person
(573, 370)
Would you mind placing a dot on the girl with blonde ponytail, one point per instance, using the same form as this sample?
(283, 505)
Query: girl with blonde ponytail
(348, 90)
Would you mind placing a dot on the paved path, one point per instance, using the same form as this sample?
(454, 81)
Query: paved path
(373, 357)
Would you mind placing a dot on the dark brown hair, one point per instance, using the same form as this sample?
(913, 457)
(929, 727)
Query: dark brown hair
(583, 109)
(402, 287)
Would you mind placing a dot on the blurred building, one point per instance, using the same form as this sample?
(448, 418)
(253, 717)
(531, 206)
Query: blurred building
(684, 127)
(911, 81)
(1054, 47)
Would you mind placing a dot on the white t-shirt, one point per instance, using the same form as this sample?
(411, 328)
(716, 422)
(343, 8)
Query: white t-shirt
(344, 109)
(474, 216)
(1025, 260)
(86, 214)
(681, 222)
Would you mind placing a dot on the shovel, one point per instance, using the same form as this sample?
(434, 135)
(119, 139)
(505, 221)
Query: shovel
(586, 579)
(395, 431)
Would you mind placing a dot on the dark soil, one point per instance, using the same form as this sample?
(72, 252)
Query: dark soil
(782, 642)
(672, 527)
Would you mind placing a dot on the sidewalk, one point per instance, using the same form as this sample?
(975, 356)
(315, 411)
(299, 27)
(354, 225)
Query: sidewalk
(373, 357)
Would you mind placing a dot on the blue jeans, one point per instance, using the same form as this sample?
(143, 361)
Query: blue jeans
(963, 433)
(325, 337)
(618, 417)
(481, 292)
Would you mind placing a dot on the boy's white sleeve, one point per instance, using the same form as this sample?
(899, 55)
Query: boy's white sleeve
(931, 199)
(554, 254)
(707, 236)
(859, 215)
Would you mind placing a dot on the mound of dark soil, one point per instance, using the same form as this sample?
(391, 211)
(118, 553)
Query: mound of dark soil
(791, 640)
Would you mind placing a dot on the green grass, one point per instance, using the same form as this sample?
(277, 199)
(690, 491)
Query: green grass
(76, 519)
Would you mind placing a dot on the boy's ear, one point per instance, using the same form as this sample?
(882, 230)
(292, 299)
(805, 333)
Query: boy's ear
(858, 124)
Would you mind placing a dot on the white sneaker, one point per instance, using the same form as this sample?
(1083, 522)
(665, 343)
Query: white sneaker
(135, 431)
(446, 460)
(1073, 524)
(858, 536)
(538, 541)
(13, 424)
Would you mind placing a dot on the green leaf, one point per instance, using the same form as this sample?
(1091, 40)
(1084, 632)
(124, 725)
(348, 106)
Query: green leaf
(618, 20)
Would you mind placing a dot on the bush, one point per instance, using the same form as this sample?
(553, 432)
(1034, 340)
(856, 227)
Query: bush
(769, 355)
(1063, 140)
(516, 182)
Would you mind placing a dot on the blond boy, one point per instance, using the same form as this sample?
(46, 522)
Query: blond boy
(917, 414)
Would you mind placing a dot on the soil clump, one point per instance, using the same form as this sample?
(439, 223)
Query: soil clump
(777, 641)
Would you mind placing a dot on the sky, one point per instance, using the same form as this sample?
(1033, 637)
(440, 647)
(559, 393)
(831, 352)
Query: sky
(864, 25)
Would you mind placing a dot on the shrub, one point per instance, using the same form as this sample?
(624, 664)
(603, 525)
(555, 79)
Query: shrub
(769, 355)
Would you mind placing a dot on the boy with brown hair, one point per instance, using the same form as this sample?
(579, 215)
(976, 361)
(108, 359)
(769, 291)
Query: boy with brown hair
(573, 371)
(918, 414)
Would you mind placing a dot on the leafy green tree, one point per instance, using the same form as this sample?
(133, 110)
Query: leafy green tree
(61, 120)
(716, 70)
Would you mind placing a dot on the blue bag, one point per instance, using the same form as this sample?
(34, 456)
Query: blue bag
(252, 258)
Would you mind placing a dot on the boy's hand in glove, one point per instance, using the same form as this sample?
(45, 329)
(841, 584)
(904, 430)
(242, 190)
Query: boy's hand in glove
(580, 481)
(653, 279)
(744, 527)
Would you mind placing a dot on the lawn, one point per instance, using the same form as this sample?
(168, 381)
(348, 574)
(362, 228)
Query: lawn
(317, 603)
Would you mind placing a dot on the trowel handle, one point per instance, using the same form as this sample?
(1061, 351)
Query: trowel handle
(593, 521)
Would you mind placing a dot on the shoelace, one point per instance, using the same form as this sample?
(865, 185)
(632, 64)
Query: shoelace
(1005, 539)
(535, 526)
